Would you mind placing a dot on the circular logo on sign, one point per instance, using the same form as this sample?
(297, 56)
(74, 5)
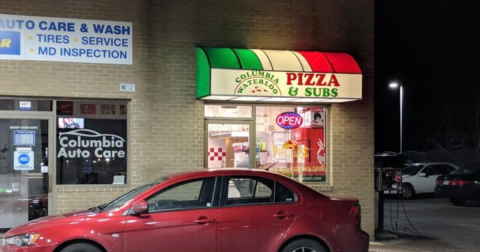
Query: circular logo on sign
(257, 83)
(23, 159)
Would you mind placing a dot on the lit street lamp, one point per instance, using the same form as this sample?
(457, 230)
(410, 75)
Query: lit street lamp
(395, 85)
(380, 234)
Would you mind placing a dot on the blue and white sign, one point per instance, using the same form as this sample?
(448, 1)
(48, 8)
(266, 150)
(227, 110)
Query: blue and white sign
(25, 105)
(24, 137)
(65, 40)
(23, 160)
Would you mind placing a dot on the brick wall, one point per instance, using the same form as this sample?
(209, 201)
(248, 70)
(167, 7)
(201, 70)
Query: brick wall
(166, 124)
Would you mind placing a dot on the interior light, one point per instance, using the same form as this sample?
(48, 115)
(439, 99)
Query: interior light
(308, 100)
(218, 97)
(279, 99)
(250, 98)
(342, 100)
(228, 107)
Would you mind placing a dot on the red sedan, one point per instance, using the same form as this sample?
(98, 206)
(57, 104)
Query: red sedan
(209, 210)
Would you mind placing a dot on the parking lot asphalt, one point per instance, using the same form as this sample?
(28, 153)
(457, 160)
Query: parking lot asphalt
(427, 224)
(411, 245)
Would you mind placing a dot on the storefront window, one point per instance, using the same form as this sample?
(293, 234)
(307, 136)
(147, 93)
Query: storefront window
(232, 111)
(24, 170)
(291, 141)
(91, 142)
(26, 104)
(228, 145)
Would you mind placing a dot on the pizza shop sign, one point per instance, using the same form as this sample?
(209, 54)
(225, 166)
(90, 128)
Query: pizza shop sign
(286, 84)
(85, 143)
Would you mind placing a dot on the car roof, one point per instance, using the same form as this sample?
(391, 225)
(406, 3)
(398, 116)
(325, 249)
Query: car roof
(304, 190)
(432, 163)
(221, 171)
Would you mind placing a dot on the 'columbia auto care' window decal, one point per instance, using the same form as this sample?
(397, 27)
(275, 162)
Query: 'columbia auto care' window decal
(94, 152)
(85, 143)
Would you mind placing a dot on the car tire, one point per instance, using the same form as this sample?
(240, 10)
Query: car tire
(303, 245)
(408, 192)
(81, 247)
(457, 201)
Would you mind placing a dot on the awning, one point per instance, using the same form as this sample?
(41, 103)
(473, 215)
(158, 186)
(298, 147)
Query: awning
(277, 76)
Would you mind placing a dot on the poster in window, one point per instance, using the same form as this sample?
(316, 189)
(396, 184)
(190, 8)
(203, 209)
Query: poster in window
(107, 109)
(70, 123)
(313, 117)
(310, 157)
(64, 108)
(123, 109)
(88, 109)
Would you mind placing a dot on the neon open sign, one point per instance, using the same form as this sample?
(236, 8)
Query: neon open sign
(289, 120)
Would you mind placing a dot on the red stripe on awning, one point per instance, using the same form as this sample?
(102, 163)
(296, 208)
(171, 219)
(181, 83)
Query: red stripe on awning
(317, 61)
(343, 63)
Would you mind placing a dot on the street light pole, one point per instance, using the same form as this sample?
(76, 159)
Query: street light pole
(380, 234)
(401, 119)
(395, 85)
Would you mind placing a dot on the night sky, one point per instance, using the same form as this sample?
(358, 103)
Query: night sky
(432, 48)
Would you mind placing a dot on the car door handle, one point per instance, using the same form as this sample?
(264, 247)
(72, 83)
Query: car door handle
(204, 220)
(283, 215)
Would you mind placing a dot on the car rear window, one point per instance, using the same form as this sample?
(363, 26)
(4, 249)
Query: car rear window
(412, 169)
(467, 169)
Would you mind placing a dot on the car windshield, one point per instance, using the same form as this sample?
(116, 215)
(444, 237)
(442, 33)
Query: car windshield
(127, 196)
(412, 169)
(467, 169)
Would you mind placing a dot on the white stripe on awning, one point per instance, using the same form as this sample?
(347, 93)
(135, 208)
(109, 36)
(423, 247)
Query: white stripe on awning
(263, 59)
(303, 61)
(283, 60)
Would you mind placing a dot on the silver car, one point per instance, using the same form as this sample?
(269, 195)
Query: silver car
(420, 178)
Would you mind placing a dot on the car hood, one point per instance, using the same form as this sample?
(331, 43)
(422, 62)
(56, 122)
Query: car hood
(52, 220)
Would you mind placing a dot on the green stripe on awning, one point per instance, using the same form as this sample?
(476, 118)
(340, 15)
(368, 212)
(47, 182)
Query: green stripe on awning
(222, 58)
(203, 74)
(248, 59)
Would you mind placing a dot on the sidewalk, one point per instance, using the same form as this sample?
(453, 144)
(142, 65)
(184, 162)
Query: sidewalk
(386, 246)
(419, 244)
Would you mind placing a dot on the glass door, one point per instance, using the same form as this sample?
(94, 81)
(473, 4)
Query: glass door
(24, 169)
(229, 144)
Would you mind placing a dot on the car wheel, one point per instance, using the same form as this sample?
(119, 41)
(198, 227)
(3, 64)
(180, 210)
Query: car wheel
(81, 247)
(457, 201)
(303, 245)
(407, 191)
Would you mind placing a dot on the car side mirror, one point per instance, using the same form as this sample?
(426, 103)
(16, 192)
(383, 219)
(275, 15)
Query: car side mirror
(423, 174)
(139, 207)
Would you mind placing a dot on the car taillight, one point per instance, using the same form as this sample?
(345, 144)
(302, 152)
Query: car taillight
(355, 210)
(459, 182)
(439, 181)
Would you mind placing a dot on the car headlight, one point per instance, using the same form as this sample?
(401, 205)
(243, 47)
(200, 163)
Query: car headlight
(21, 240)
